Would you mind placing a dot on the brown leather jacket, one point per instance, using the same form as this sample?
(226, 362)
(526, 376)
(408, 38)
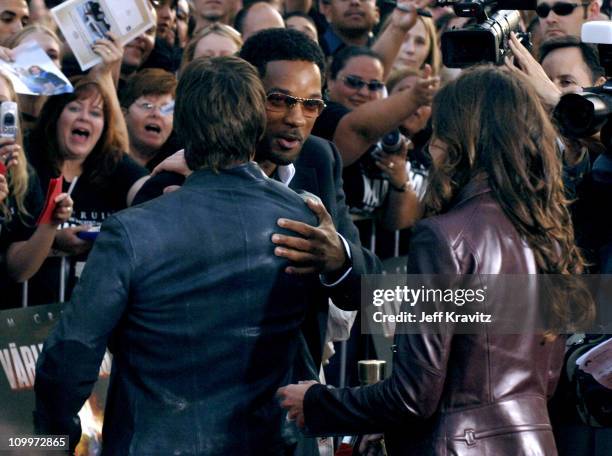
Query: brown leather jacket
(448, 394)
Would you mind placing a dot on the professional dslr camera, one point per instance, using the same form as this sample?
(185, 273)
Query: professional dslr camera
(580, 115)
(487, 40)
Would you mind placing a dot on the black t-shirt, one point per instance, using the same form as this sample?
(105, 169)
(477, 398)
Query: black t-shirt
(364, 186)
(173, 144)
(326, 124)
(92, 204)
(19, 228)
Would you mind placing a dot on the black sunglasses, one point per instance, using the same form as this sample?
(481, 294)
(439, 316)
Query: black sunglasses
(355, 82)
(159, 3)
(280, 102)
(559, 8)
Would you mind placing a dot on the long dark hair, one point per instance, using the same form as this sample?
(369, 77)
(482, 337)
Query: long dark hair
(106, 154)
(494, 125)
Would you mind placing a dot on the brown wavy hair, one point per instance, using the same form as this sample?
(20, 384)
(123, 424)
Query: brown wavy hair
(495, 126)
(106, 154)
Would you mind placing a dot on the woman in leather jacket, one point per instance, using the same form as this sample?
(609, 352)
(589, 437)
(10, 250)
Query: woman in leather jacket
(496, 206)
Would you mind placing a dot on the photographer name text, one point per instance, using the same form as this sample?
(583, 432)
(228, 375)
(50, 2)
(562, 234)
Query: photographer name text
(434, 317)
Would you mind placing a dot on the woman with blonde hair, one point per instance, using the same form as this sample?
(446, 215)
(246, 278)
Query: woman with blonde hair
(23, 245)
(213, 41)
(420, 47)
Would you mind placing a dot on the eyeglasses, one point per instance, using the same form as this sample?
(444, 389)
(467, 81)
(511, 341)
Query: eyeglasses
(164, 110)
(355, 82)
(559, 8)
(280, 102)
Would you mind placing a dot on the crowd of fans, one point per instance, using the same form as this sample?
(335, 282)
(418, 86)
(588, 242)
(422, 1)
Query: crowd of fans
(382, 64)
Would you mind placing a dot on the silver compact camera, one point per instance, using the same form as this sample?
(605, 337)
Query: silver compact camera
(9, 119)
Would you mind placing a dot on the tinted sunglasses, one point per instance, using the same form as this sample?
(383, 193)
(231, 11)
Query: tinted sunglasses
(355, 82)
(280, 102)
(159, 3)
(559, 8)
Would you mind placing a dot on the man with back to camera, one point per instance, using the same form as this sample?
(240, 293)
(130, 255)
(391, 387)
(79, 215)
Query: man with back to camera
(291, 68)
(203, 328)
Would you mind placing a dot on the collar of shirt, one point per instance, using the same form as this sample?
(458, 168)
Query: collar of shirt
(285, 173)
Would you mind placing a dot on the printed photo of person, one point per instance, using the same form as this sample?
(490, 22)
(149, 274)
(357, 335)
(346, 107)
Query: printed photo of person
(95, 20)
(44, 82)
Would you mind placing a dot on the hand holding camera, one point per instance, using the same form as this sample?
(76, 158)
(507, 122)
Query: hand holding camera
(9, 150)
(525, 63)
(390, 159)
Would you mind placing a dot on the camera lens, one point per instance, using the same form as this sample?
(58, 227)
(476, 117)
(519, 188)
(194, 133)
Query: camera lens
(582, 115)
(9, 119)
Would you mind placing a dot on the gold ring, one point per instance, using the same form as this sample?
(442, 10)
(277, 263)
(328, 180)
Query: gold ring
(391, 165)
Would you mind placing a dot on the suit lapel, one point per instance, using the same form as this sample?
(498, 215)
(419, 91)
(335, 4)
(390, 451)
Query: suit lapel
(305, 179)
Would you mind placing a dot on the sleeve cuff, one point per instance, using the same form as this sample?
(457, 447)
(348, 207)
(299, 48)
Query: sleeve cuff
(326, 279)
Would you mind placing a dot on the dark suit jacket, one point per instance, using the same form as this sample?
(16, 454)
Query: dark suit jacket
(318, 170)
(201, 318)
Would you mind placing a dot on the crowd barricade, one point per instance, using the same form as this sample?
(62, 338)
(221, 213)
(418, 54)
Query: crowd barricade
(22, 334)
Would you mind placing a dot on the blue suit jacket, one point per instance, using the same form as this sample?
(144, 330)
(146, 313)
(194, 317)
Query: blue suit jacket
(200, 317)
(318, 170)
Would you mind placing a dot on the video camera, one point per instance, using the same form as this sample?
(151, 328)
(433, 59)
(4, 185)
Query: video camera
(487, 40)
(580, 115)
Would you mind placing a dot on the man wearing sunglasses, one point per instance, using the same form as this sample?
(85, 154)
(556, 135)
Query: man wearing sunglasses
(291, 66)
(561, 18)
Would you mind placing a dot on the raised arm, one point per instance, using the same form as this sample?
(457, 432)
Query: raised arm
(365, 125)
